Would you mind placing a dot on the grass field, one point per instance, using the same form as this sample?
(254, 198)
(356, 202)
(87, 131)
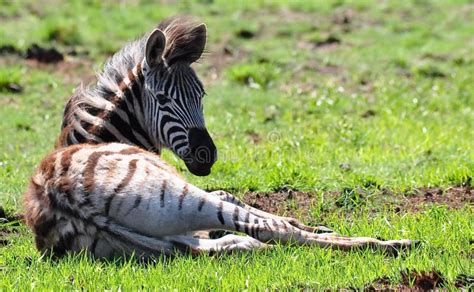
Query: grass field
(359, 114)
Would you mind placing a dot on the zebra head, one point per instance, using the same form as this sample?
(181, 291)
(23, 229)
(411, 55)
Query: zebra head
(173, 94)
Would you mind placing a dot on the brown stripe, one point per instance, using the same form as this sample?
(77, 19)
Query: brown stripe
(95, 129)
(47, 166)
(123, 87)
(132, 167)
(201, 203)
(181, 197)
(89, 173)
(131, 150)
(131, 77)
(66, 158)
(111, 172)
(236, 218)
(62, 139)
(139, 69)
(64, 183)
(219, 213)
(162, 195)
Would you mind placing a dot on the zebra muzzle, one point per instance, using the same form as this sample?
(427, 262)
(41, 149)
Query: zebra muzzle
(203, 152)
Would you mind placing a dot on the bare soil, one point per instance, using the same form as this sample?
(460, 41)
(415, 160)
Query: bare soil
(285, 202)
(410, 281)
(13, 220)
(290, 203)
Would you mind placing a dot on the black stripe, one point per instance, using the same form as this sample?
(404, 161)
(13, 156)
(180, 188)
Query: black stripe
(252, 230)
(64, 244)
(123, 128)
(162, 194)
(257, 231)
(93, 245)
(247, 217)
(236, 218)
(108, 202)
(219, 213)
(178, 138)
(136, 90)
(138, 199)
(201, 204)
(275, 224)
(80, 139)
(85, 202)
(181, 198)
(45, 227)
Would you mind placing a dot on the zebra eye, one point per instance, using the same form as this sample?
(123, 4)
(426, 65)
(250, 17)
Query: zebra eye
(162, 98)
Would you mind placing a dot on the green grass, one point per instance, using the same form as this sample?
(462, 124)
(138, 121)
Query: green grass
(394, 101)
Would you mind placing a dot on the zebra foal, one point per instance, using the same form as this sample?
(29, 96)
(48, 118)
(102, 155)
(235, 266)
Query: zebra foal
(115, 198)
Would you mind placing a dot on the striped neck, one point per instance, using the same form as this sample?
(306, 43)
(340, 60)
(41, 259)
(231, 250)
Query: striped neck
(109, 116)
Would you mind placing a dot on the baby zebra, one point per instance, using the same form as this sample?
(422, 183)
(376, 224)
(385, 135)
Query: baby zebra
(115, 199)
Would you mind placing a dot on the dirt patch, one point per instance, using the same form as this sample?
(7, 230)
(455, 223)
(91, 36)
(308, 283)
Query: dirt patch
(329, 40)
(410, 281)
(245, 34)
(222, 55)
(295, 203)
(9, 50)
(254, 136)
(423, 280)
(13, 221)
(44, 55)
(285, 202)
(455, 197)
(11, 87)
(5, 217)
(73, 70)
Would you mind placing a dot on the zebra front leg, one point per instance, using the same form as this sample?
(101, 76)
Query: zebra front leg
(228, 243)
(227, 197)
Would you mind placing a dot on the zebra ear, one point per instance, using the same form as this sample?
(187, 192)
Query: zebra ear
(189, 47)
(155, 45)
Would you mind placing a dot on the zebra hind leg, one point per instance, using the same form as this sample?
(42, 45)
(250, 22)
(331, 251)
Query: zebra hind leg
(227, 197)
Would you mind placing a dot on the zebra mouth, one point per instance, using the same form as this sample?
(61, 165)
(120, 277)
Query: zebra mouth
(200, 161)
(199, 169)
